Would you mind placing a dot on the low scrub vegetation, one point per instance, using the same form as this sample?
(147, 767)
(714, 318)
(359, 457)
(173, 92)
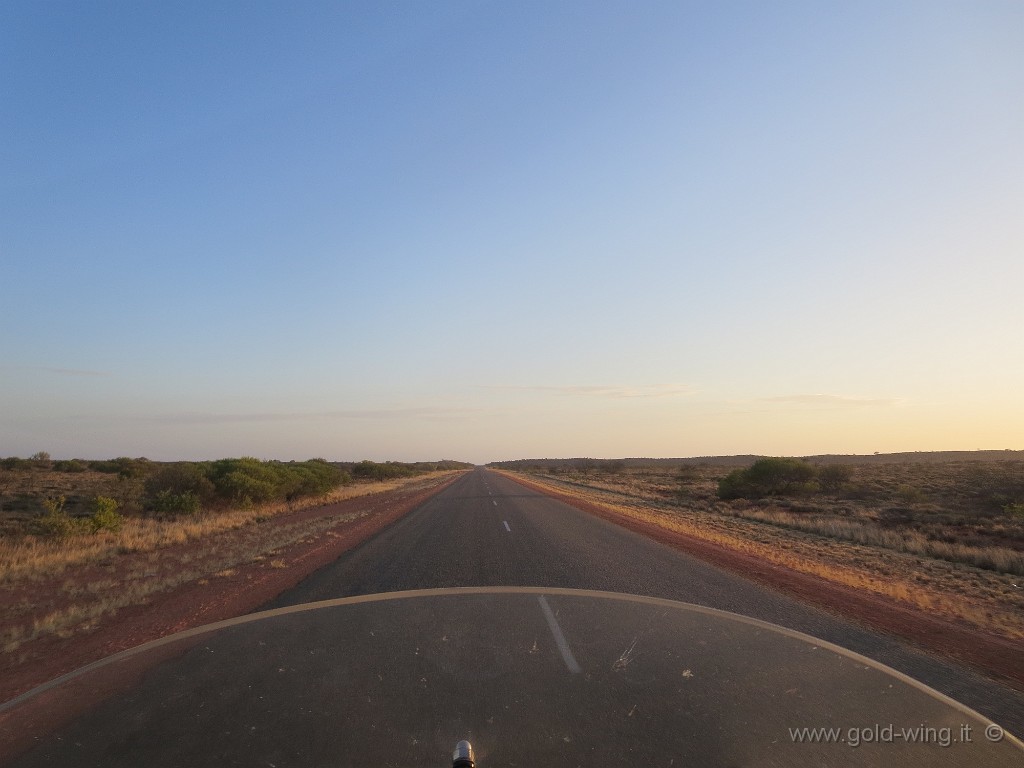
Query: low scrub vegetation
(946, 536)
(769, 477)
(963, 512)
(187, 487)
(63, 498)
(374, 471)
(52, 520)
(56, 521)
(78, 545)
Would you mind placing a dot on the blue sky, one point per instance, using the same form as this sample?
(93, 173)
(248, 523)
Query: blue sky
(496, 230)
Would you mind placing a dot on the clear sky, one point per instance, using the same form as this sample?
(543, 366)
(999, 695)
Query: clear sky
(484, 231)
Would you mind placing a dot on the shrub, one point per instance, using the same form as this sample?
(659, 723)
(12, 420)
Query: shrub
(180, 479)
(373, 471)
(123, 466)
(186, 487)
(312, 478)
(56, 521)
(768, 477)
(40, 459)
(245, 480)
(70, 465)
(170, 503)
(734, 485)
(104, 515)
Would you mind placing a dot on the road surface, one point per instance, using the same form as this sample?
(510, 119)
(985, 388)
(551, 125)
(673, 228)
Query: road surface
(486, 530)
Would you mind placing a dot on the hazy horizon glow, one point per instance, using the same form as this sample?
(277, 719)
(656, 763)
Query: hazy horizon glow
(493, 231)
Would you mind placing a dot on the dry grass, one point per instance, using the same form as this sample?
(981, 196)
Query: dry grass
(995, 558)
(29, 557)
(61, 587)
(869, 538)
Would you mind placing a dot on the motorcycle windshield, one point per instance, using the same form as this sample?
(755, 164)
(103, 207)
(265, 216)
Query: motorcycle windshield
(529, 676)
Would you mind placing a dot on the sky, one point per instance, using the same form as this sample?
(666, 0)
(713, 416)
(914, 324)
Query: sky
(485, 231)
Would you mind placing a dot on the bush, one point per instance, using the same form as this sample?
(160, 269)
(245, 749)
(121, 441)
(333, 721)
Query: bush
(56, 522)
(768, 477)
(123, 466)
(185, 487)
(371, 470)
(104, 515)
(734, 485)
(834, 477)
(169, 503)
(313, 478)
(247, 480)
(40, 459)
(178, 480)
(70, 465)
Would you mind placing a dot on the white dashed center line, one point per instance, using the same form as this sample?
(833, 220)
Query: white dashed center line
(506, 526)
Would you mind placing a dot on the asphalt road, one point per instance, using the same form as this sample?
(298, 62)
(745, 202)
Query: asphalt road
(544, 676)
(486, 530)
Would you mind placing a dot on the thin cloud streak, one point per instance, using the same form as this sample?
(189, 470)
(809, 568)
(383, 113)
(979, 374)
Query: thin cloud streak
(55, 370)
(613, 392)
(188, 418)
(838, 401)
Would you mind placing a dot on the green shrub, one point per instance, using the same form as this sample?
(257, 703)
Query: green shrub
(56, 522)
(185, 487)
(123, 466)
(104, 515)
(768, 477)
(371, 470)
(167, 502)
(167, 488)
(734, 485)
(246, 481)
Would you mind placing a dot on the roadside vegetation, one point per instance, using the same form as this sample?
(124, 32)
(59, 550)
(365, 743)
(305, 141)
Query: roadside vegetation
(42, 497)
(944, 536)
(81, 539)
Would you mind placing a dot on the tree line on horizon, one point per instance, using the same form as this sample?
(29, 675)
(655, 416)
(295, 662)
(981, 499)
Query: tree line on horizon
(586, 465)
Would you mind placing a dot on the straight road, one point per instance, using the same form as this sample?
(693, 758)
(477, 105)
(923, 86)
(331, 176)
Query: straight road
(486, 530)
(531, 677)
